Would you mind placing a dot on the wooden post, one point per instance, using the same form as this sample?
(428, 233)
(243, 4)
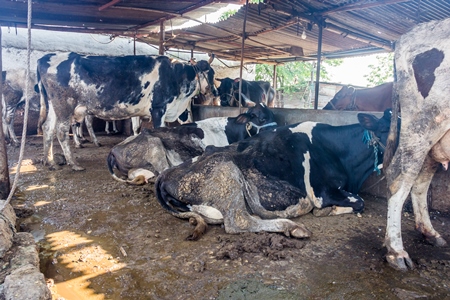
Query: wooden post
(5, 186)
(162, 37)
(319, 58)
(242, 56)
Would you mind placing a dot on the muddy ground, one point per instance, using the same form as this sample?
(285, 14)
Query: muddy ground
(101, 239)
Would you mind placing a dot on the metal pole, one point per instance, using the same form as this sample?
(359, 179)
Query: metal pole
(242, 56)
(319, 58)
(4, 173)
(162, 36)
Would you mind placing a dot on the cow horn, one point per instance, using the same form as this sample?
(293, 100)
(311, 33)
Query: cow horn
(211, 57)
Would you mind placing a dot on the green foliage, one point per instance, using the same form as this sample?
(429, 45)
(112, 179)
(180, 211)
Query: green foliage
(227, 14)
(294, 76)
(383, 71)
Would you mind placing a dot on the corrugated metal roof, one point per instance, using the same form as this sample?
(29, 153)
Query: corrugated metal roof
(273, 28)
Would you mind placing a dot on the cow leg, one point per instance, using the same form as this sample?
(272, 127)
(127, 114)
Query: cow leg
(234, 209)
(136, 124)
(62, 133)
(48, 133)
(420, 205)
(76, 135)
(89, 120)
(337, 202)
(114, 127)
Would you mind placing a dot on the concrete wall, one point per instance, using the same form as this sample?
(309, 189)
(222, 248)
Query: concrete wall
(374, 185)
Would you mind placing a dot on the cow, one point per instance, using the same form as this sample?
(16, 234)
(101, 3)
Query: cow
(13, 95)
(160, 148)
(378, 98)
(114, 88)
(278, 174)
(421, 89)
(252, 92)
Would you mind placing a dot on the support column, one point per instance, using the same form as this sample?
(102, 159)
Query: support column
(319, 58)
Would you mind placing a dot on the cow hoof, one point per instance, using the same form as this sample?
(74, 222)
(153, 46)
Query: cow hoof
(322, 212)
(400, 262)
(54, 167)
(78, 168)
(300, 232)
(437, 241)
(98, 144)
(79, 146)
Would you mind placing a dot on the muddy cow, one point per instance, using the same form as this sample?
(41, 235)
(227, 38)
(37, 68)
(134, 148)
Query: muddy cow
(252, 92)
(114, 88)
(279, 174)
(13, 95)
(422, 60)
(378, 98)
(160, 148)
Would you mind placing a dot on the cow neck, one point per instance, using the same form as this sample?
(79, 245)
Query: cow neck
(371, 139)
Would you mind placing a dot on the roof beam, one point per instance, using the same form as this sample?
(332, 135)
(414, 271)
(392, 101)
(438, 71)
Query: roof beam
(357, 6)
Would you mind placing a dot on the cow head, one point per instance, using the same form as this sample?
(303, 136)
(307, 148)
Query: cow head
(225, 90)
(257, 118)
(206, 78)
(342, 100)
(377, 131)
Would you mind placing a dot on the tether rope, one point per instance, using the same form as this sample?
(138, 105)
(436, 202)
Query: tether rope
(25, 117)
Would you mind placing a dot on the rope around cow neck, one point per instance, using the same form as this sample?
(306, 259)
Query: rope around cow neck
(371, 139)
(25, 117)
(250, 125)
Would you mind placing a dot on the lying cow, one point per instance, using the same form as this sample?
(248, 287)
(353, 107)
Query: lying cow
(252, 92)
(422, 60)
(160, 148)
(114, 88)
(279, 174)
(14, 87)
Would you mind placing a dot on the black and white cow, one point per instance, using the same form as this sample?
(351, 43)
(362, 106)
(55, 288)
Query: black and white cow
(256, 184)
(14, 87)
(252, 92)
(422, 61)
(160, 148)
(114, 88)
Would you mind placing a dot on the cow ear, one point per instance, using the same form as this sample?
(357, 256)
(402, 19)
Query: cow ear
(242, 118)
(219, 79)
(367, 121)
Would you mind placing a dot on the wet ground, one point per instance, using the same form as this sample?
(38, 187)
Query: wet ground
(101, 239)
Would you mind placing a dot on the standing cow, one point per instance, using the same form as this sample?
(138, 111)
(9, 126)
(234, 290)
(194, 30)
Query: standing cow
(160, 148)
(422, 60)
(252, 92)
(254, 185)
(114, 88)
(14, 87)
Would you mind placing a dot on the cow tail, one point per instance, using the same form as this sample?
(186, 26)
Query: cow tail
(392, 140)
(111, 162)
(194, 218)
(43, 103)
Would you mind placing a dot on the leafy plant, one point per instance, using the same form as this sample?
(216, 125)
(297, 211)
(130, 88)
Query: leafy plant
(383, 71)
(294, 76)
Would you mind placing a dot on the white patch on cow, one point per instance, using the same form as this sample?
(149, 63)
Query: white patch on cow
(195, 159)
(54, 62)
(79, 113)
(352, 199)
(318, 201)
(208, 212)
(174, 158)
(306, 128)
(135, 172)
(214, 132)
